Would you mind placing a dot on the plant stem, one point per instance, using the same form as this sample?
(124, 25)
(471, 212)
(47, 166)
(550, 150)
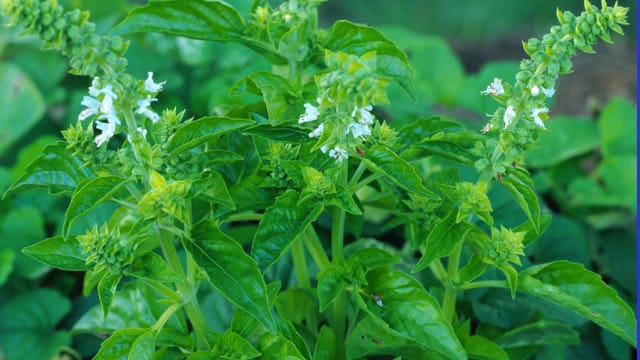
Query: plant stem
(483, 284)
(300, 263)
(185, 288)
(315, 248)
(244, 217)
(339, 306)
(450, 291)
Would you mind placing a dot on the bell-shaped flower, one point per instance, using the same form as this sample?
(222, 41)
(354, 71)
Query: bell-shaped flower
(495, 88)
(311, 113)
(509, 115)
(107, 101)
(358, 130)
(92, 107)
(364, 115)
(535, 113)
(108, 130)
(143, 108)
(150, 86)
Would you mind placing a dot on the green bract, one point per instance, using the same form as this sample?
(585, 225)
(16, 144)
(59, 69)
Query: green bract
(256, 231)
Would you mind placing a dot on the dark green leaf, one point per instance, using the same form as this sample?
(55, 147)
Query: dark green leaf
(277, 347)
(360, 39)
(151, 266)
(19, 228)
(560, 143)
(617, 121)
(55, 170)
(583, 292)
(199, 19)
(217, 157)
(298, 306)
(275, 91)
(205, 129)
(326, 345)
(231, 271)
(6, 264)
(284, 133)
(481, 348)
(107, 290)
(531, 235)
(344, 200)
(58, 253)
(330, 284)
(143, 348)
(383, 161)
(22, 104)
(441, 240)
(409, 309)
(233, 346)
(88, 195)
(28, 326)
(372, 258)
(511, 275)
(543, 332)
(214, 189)
(474, 268)
(280, 226)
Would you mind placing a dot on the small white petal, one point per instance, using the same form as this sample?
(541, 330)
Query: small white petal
(108, 130)
(143, 108)
(535, 90)
(495, 88)
(311, 113)
(338, 154)
(358, 130)
(535, 113)
(548, 92)
(509, 115)
(317, 132)
(151, 86)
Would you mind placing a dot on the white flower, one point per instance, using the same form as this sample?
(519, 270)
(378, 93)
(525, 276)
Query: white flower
(317, 132)
(143, 108)
(509, 115)
(495, 88)
(324, 149)
(107, 101)
(536, 118)
(311, 113)
(487, 127)
(108, 130)
(92, 107)
(548, 92)
(364, 115)
(535, 90)
(150, 86)
(111, 117)
(338, 153)
(358, 130)
(93, 90)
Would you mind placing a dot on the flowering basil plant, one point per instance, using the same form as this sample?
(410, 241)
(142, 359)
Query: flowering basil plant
(301, 163)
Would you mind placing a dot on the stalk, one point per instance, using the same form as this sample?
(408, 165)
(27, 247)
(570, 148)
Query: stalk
(451, 291)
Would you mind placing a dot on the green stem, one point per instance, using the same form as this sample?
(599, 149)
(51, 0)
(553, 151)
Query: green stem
(483, 284)
(366, 181)
(339, 308)
(165, 317)
(300, 264)
(314, 246)
(244, 217)
(439, 271)
(185, 287)
(450, 291)
(356, 176)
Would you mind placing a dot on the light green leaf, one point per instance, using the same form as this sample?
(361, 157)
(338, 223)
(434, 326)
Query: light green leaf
(559, 142)
(151, 266)
(19, 228)
(572, 286)
(288, 134)
(344, 200)
(6, 264)
(360, 39)
(277, 347)
(196, 132)
(525, 197)
(325, 345)
(372, 258)
(216, 157)
(22, 104)
(409, 309)
(275, 91)
(233, 346)
(212, 188)
(231, 271)
(58, 253)
(28, 326)
(542, 332)
(441, 240)
(55, 170)
(88, 195)
(297, 305)
(511, 275)
(383, 161)
(280, 226)
(143, 348)
(121, 343)
(617, 122)
(481, 348)
(330, 284)
(107, 290)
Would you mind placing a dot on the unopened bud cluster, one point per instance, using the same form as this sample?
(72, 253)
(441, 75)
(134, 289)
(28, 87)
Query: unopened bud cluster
(107, 249)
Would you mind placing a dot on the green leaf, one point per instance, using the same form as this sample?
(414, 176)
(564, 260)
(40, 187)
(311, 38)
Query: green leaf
(55, 170)
(383, 161)
(284, 133)
(231, 271)
(331, 282)
(468, 95)
(572, 286)
(212, 188)
(525, 197)
(441, 240)
(409, 309)
(360, 39)
(531, 234)
(372, 336)
(22, 104)
(616, 122)
(326, 345)
(277, 347)
(6, 264)
(481, 348)
(19, 228)
(88, 195)
(199, 19)
(124, 343)
(372, 258)
(275, 91)
(280, 226)
(297, 305)
(472, 270)
(196, 132)
(151, 266)
(560, 143)
(344, 200)
(58, 253)
(542, 332)
(216, 157)
(28, 326)
(233, 346)
(107, 290)
(511, 275)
